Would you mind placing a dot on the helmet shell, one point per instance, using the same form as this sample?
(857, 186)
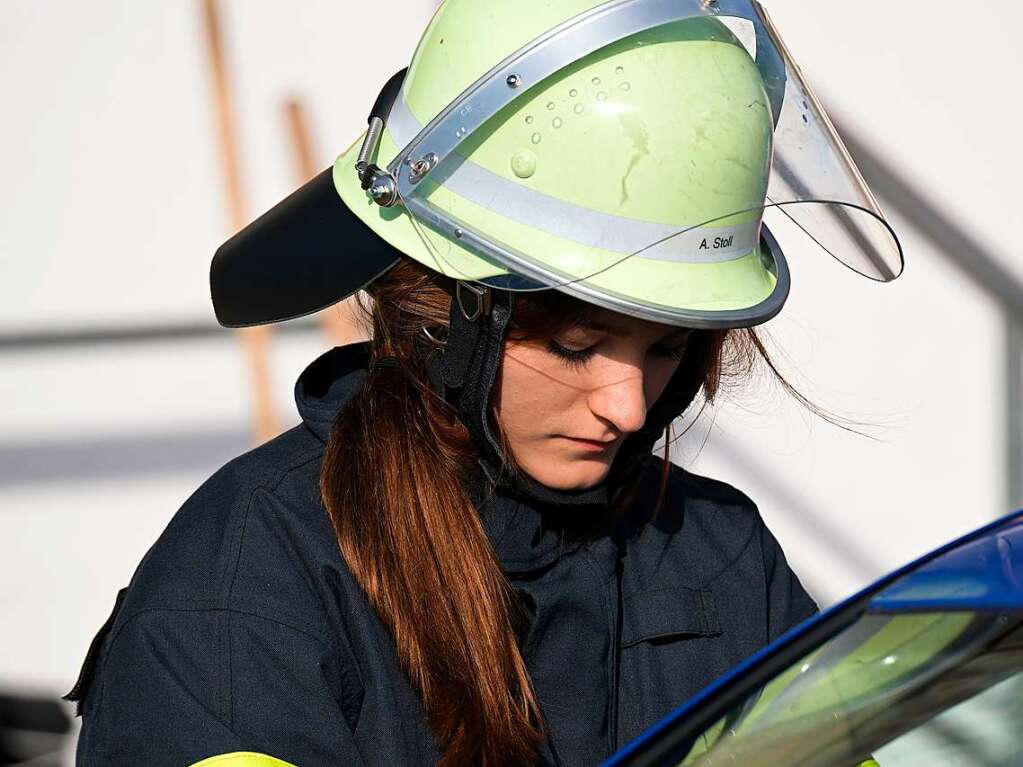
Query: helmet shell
(670, 127)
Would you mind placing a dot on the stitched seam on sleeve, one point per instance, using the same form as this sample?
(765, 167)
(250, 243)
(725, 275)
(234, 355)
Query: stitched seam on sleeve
(215, 609)
(268, 482)
(300, 462)
(269, 487)
(229, 612)
(351, 675)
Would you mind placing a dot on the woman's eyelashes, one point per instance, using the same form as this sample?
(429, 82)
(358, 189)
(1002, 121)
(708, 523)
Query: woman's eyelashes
(571, 357)
(579, 357)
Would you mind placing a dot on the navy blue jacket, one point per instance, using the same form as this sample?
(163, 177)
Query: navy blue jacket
(243, 630)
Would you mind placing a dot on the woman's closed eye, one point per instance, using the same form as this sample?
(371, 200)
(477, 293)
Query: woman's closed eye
(577, 357)
(571, 356)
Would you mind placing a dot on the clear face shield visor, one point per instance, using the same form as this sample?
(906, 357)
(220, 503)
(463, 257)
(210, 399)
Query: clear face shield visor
(629, 156)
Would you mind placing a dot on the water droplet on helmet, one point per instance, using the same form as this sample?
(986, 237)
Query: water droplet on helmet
(573, 93)
(550, 105)
(556, 122)
(602, 96)
(579, 108)
(625, 86)
(596, 81)
(619, 70)
(537, 138)
(529, 119)
(523, 163)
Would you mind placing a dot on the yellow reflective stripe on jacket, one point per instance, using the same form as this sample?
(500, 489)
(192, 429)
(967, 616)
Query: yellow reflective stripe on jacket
(242, 759)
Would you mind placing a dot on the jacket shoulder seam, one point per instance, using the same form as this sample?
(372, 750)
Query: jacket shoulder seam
(225, 717)
(198, 607)
(270, 488)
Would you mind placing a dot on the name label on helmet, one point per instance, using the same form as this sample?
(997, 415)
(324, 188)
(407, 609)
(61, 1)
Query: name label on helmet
(706, 244)
(718, 243)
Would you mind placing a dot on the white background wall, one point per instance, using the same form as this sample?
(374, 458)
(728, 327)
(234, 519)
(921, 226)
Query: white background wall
(111, 205)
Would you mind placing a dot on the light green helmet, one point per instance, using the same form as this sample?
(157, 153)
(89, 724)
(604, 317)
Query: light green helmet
(623, 152)
(571, 173)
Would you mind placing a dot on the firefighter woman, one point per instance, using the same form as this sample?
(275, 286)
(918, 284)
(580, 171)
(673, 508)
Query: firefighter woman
(467, 552)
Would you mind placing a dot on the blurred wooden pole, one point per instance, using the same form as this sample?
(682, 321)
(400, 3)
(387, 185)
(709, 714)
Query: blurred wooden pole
(254, 341)
(341, 321)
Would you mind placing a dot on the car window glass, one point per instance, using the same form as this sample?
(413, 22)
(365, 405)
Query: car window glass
(879, 681)
(980, 732)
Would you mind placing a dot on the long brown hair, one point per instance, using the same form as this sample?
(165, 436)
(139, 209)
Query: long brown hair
(393, 483)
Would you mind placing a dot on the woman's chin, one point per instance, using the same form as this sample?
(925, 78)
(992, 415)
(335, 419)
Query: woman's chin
(571, 476)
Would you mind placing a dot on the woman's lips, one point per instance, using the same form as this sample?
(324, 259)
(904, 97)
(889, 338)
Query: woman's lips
(595, 445)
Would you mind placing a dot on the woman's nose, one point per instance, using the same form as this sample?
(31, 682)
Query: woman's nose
(621, 401)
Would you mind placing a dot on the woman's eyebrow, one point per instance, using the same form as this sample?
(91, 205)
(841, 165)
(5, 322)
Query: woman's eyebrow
(603, 326)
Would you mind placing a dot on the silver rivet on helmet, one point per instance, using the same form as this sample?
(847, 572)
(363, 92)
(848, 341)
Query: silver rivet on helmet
(422, 166)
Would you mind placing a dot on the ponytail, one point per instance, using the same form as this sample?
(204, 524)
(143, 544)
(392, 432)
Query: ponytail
(393, 484)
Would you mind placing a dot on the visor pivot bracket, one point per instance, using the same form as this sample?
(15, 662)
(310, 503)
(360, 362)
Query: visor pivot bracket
(422, 166)
(514, 81)
(476, 304)
(377, 182)
(382, 188)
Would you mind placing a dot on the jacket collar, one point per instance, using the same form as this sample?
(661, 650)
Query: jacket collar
(327, 384)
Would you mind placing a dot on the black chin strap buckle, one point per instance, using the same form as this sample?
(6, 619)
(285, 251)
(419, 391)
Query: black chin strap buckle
(475, 301)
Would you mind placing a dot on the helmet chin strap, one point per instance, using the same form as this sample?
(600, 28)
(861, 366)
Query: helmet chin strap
(464, 373)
